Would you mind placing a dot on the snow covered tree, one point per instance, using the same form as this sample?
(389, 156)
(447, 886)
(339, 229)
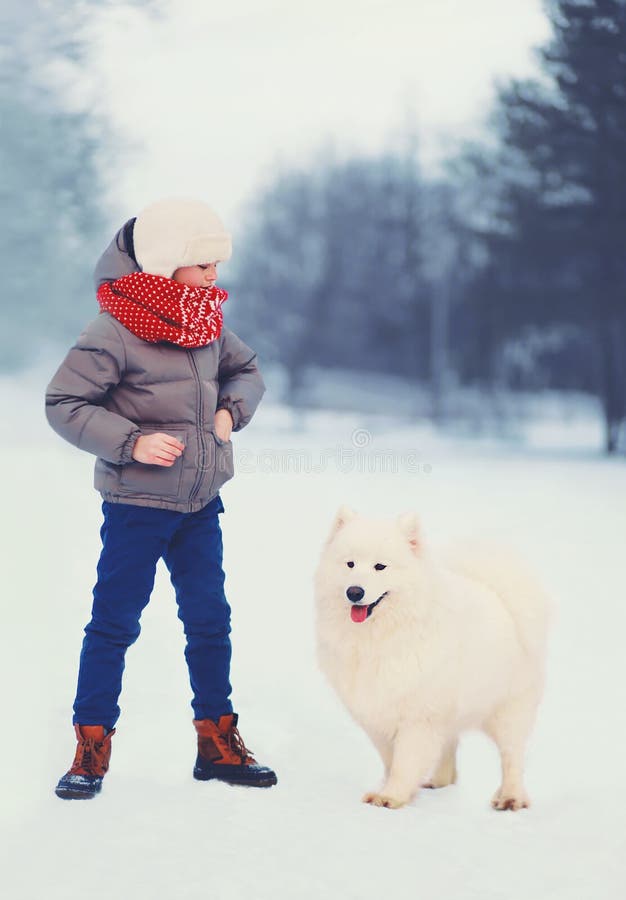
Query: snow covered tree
(280, 275)
(329, 270)
(49, 187)
(565, 138)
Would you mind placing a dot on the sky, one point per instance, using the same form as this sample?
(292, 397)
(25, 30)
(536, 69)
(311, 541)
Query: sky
(213, 97)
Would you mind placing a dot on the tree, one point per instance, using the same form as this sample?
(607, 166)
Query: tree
(330, 273)
(565, 249)
(49, 189)
(280, 275)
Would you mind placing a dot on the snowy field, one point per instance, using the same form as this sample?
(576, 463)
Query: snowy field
(156, 833)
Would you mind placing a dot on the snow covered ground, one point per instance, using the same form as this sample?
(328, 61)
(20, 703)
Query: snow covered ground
(156, 833)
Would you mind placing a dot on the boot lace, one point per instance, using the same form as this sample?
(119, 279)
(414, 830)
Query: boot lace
(89, 758)
(236, 745)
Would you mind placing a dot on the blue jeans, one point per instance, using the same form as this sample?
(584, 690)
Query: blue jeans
(134, 538)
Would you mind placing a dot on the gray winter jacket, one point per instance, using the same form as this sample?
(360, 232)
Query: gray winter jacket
(113, 387)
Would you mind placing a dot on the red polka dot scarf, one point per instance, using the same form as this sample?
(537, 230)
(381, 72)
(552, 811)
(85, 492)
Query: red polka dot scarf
(156, 309)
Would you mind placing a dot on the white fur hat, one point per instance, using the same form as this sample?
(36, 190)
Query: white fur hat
(172, 233)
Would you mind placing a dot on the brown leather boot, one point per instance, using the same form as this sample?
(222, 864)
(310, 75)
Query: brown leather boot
(91, 762)
(223, 755)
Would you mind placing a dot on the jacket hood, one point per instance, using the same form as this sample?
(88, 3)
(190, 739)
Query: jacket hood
(116, 260)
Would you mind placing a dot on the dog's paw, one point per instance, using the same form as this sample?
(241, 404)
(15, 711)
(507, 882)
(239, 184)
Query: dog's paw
(436, 783)
(508, 800)
(383, 800)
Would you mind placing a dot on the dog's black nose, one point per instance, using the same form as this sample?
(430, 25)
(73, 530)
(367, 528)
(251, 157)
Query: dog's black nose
(355, 593)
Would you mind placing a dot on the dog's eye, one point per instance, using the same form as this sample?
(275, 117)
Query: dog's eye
(380, 566)
(350, 564)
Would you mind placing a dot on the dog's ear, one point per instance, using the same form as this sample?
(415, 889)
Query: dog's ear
(344, 514)
(408, 525)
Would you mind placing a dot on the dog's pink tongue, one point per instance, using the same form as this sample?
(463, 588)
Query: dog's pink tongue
(358, 613)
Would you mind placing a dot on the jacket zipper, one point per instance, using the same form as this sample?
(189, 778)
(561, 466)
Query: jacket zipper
(200, 424)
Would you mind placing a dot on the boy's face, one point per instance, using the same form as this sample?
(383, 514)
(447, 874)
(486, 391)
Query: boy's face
(204, 275)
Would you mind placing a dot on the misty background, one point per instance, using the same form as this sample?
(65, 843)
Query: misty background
(428, 200)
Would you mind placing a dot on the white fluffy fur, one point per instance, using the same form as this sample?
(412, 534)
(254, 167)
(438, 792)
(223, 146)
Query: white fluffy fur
(458, 643)
(175, 232)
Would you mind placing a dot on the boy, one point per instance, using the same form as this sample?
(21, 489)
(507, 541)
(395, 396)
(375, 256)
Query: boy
(153, 386)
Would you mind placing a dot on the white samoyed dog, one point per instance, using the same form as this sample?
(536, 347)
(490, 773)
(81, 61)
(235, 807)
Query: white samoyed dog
(421, 648)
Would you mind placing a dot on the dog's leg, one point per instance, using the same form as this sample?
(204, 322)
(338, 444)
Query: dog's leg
(384, 747)
(416, 749)
(510, 727)
(445, 773)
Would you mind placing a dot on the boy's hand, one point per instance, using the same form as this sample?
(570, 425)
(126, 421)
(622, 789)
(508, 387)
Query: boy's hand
(223, 424)
(157, 449)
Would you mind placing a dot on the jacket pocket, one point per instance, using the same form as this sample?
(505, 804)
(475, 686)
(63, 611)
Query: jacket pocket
(224, 463)
(150, 480)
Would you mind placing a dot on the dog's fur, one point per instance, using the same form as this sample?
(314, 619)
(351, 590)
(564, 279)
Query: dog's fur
(455, 643)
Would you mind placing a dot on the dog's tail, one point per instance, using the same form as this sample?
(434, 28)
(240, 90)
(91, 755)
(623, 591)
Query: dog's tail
(507, 575)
